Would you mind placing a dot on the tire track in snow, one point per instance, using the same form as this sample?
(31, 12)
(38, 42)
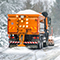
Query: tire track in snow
(20, 56)
(33, 57)
(52, 54)
(28, 56)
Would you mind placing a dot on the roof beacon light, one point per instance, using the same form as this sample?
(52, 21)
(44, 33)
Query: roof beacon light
(22, 16)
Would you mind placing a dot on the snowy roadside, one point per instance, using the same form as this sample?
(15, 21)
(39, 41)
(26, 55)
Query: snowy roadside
(58, 58)
(50, 52)
(23, 53)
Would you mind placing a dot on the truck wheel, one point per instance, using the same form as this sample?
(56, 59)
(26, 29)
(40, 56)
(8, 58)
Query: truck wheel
(39, 45)
(44, 45)
(9, 45)
(12, 45)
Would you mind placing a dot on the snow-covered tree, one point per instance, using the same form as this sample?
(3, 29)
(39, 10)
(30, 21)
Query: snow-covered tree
(56, 17)
(38, 6)
(28, 4)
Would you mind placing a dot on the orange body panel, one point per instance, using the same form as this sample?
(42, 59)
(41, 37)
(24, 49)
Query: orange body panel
(12, 25)
(46, 23)
(29, 25)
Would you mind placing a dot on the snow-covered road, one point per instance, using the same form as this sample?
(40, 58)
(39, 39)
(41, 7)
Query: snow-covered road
(23, 53)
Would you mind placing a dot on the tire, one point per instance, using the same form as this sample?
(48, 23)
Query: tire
(12, 45)
(9, 45)
(39, 45)
(44, 45)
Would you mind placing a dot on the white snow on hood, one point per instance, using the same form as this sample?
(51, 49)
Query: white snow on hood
(28, 11)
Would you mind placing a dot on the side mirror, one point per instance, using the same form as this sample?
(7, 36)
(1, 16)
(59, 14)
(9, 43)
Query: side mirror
(45, 14)
(49, 20)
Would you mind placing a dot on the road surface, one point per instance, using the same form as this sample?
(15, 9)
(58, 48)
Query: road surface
(23, 53)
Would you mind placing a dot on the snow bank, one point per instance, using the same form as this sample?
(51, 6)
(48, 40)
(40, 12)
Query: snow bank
(39, 59)
(27, 12)
(17, 50)
(2, 49)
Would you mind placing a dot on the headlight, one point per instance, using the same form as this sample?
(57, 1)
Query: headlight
(22, 16)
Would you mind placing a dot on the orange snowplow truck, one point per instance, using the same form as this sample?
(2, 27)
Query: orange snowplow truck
(24, 30)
